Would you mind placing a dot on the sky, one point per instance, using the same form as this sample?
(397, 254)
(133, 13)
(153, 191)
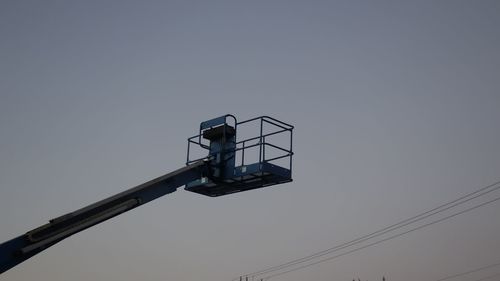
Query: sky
(395, 106)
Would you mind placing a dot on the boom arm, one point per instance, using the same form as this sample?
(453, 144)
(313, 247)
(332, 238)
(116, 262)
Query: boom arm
(33, 242)
(214, 175)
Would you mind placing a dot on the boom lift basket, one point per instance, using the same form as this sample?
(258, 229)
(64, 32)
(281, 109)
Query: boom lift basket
(239, 161)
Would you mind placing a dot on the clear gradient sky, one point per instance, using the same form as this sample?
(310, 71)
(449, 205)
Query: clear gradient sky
(396, 106)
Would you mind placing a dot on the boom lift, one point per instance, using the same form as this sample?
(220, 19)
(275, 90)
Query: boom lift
(225, 170)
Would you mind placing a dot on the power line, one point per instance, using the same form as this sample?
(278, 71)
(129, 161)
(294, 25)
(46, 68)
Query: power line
(489, 277)
(469, 272)
(385, 230)
(419, 217)
(385, 239)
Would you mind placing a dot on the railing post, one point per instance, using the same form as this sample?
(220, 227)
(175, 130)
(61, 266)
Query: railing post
(243, 154)
(263, 149)
(260, 141)
(291, 149)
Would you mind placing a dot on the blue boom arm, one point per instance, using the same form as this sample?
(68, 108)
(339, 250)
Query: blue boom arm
(214, 175)
(33, 242)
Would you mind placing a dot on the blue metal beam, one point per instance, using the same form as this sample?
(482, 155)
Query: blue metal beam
(33, 242)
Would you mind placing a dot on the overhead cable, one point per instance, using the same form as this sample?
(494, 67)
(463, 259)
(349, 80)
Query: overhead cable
(383, 240)
(469, 272)
(461, 200)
